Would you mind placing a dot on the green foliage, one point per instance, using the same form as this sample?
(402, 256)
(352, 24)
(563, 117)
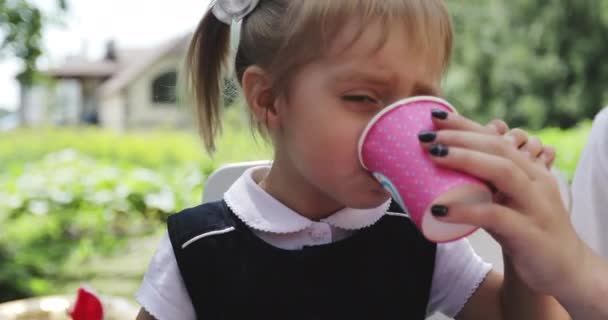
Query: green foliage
(158, 149)
(569, 145)
(21, 24)
(69, 194)
(67, 205)
(531, 63)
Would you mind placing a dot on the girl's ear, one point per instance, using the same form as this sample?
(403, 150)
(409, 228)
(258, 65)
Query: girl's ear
(261, 100)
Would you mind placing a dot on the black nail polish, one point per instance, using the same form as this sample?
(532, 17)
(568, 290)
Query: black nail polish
(439, 150)
(439, 114)
(439, 211)
(427, 136)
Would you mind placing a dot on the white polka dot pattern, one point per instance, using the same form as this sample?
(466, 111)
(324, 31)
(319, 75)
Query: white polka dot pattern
(391, 149)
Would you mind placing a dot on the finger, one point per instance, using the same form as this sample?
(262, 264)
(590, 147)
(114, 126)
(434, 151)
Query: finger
(497, 170)
(500, 221)
(517, 137)
(490, 144)
(532, 148)
(453, 121)
(499, 126)
(500, 198)
(547, 156)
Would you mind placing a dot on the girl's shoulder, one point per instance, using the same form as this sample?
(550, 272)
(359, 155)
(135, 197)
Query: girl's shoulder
(195, 223)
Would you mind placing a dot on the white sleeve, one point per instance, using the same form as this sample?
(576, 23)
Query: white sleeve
(162, 292)
(458, 273)
(590, 188)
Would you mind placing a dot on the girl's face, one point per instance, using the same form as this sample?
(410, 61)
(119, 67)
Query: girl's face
(331, 100)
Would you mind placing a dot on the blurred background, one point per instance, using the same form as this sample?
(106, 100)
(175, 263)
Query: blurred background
(96, 150)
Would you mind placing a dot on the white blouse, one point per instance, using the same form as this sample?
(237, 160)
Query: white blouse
(590, 188)
(458, 270)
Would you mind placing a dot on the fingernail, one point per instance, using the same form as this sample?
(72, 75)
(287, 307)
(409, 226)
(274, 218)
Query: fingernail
(439, 211)
(439, 150)
(427, 136)
(543, 157)
(439, 114)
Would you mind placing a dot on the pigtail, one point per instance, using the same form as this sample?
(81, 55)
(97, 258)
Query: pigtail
(205, 62)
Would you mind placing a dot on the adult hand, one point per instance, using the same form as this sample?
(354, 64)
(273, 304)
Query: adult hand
(530, 221)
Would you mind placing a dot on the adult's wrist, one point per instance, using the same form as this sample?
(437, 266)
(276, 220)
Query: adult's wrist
(585, 293)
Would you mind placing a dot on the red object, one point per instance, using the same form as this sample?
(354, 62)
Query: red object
(87, 306)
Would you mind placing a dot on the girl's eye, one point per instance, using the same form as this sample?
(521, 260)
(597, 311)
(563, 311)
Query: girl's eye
(360, 99)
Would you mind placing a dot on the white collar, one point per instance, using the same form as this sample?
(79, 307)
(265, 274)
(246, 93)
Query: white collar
(260, 211)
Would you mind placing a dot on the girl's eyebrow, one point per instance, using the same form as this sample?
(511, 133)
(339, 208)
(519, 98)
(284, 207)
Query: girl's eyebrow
(357, 75)
(418, 88)
(425, 89)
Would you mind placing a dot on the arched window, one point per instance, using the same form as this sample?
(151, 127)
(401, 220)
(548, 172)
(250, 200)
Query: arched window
(163, 88)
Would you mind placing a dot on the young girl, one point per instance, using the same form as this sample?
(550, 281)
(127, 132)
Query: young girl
(311, 237)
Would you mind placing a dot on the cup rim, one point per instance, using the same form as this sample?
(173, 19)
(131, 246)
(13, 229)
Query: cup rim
(390, 108)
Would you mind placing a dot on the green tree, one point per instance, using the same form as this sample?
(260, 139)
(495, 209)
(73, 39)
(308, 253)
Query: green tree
(532, 63)
(21, 24)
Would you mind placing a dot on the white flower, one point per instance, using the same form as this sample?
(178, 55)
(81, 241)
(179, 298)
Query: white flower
(65, 176)
(29, 182)
(61, 197)
(164, 200)
(67, 155)
(38, 207)
(146, 175)
(122, 191)
(11, 201)
(195, 178)
(102, 197)
(109, 173)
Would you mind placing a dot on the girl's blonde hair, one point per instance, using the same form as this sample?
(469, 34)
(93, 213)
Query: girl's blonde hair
(282, 35)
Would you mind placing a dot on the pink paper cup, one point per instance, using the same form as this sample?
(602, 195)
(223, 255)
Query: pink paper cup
(389, 148)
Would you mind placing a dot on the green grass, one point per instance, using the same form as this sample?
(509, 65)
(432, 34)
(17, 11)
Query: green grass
(153, 149)
(69, 197)
(569, 145)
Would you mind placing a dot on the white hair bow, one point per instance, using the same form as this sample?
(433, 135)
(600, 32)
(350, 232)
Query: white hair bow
(229, 11)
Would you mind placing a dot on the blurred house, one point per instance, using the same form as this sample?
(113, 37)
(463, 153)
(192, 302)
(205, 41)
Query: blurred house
(126, 89)
(8, 122)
